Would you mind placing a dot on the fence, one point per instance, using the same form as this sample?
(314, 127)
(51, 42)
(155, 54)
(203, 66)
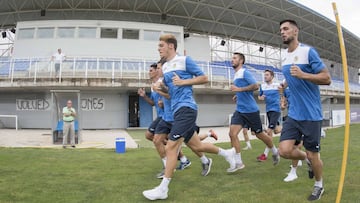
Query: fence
(122, 68)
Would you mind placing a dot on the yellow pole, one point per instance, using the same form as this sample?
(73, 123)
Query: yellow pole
(347, 105)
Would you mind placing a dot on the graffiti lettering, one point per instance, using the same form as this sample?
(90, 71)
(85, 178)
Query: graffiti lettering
(90, 104)
(32, 104)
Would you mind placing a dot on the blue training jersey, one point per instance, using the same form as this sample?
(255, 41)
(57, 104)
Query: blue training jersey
(156, 97)
(272, 96)
(168, 114)
(245, 100)
(305, 95)
(185, 68)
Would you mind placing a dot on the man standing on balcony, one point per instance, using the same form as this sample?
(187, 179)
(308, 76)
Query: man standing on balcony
(58, 58)
(304, 71)
(269, 91)
(69, 115)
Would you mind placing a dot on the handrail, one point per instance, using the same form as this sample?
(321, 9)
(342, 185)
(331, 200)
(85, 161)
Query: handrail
(111, 67)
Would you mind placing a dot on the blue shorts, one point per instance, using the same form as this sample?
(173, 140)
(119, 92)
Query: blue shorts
(197, 129)
(249, 120)
(273, 118)
(184, 124)
(308, 131)
(153, 125)
(163, 127)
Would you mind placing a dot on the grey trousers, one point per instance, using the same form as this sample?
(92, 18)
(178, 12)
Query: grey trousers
(69, 128)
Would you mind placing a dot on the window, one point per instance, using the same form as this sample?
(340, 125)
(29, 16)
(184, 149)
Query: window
(108, 33)
(45, 32)
(87, 32)
(26, 33)
(66, 32)
(151, 35)
(130, 34)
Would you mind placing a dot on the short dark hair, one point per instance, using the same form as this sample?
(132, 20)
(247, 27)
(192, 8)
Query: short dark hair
(154, 65)
(169, 39)
(270, 71)
(292, 22)
(242, 56)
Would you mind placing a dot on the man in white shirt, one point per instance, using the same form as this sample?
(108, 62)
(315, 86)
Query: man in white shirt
(58, 58)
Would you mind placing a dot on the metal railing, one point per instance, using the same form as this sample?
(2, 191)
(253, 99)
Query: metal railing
(34, 69)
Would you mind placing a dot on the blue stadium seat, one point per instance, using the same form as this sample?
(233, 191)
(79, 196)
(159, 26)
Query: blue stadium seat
(21, 65)
(4, 68)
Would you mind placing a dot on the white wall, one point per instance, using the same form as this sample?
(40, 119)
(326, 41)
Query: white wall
(198, 47)
(99, 47)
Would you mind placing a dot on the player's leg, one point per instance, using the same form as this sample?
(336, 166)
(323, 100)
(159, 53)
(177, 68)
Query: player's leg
(290, 133)
(210, 133)
(196, 145)
(273, 118)
(237, 121)
(292, 175)
(149, 134)
(255, 124)
(184, 161)
(246, 138)
(312, 136)
(183, 125)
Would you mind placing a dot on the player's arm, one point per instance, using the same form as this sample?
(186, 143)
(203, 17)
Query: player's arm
(320, 78)
(251, 87)
(198, 80)
(160, 88)
(261, 95)
(142, 93)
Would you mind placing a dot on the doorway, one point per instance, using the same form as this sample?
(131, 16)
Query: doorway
(134, 116)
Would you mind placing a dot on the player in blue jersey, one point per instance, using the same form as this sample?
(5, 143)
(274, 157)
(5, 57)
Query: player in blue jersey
(247, 112)
(153, 100)
(164, 127)
(156, 100)
(304, 71)
(269, 91)
(180, 73)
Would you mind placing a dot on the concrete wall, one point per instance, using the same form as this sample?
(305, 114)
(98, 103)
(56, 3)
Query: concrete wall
(198, 47)
(113, 115)
(109, 109)
(98, 47)
(99, 110)
(33, 109)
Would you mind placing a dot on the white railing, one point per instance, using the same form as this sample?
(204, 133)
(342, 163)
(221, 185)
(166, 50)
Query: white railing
(34, 69)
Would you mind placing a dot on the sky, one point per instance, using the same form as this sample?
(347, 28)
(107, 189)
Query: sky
(348, 11)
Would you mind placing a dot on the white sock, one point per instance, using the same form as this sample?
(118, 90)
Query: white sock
(293, 169)
(266, 151)
(164, 185)
(319, 183)
(209, 134)
(204, 159)
(238, 158)
(274, 150)
(164, 161)
(222, 152)
(248, 143)
(183, 159)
